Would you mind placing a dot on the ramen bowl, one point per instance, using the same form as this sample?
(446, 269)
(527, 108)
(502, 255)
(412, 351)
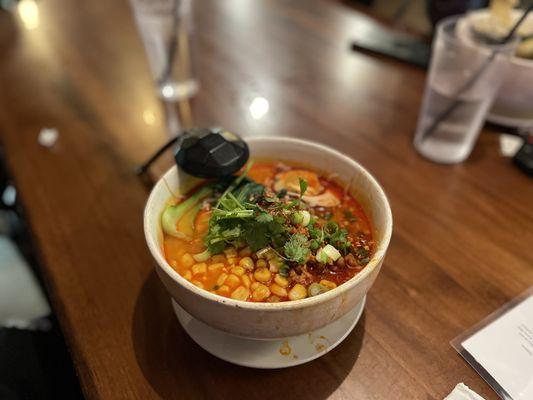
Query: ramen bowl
(289, 318)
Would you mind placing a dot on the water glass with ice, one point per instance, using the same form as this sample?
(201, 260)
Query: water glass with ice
(458, 58)
(165, 27)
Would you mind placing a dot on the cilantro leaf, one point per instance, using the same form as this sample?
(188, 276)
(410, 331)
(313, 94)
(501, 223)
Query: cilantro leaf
(315, 232)
(215, 248)
(297, 248)
(245, 215)
(264, 217)
(249, 191)
(256, 235)
(339, 239)
(276, 227)
(278, 241)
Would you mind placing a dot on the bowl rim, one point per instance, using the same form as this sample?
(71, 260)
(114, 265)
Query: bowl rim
(286, 305)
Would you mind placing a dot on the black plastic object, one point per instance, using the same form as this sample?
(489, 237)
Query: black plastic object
(205, 153)
(524, 157)
(386, 42)
(211, 153)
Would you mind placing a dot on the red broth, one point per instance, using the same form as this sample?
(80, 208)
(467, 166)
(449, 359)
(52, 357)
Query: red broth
(241, 274)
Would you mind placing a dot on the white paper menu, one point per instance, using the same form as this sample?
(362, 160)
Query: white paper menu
(504, 348)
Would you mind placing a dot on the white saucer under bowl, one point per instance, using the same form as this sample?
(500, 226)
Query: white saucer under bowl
(268, 354)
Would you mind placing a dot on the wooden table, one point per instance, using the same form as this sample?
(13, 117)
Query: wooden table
(462, 238)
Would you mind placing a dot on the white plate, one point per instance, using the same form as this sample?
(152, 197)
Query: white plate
(277, 353)
(509, 121)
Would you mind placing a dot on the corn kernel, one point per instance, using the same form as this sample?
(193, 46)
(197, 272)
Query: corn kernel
(223, 290)
(297, 292)
(261, 263)
(232, 260)
(247, 262)
(237, 270)
(245, 252)
(215, 266)
(260, 293)
(280, 280)
(187, 260)
(278, 290)
(187, 275)
(262, 275)
(221, 279)
(198, 283)
(330, 285)
(241, 293)
(232, 280)
(273, 266)
(254, 285)
(200, 268)
(246, 281)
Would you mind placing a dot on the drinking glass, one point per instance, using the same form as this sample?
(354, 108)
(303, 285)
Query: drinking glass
(463, 81)
(165, 27)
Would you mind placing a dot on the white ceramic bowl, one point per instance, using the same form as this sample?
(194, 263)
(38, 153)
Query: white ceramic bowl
(513, 105)
(275, 320)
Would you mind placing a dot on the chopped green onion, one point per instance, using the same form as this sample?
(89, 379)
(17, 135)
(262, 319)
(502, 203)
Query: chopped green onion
(321, 257)
(306, 217)
(301, 218)
(315, 289)
(297, 218)
(331, 252)
(331, 228)
(314, 245)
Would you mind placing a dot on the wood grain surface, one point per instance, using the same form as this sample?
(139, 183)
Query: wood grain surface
(462, 239)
